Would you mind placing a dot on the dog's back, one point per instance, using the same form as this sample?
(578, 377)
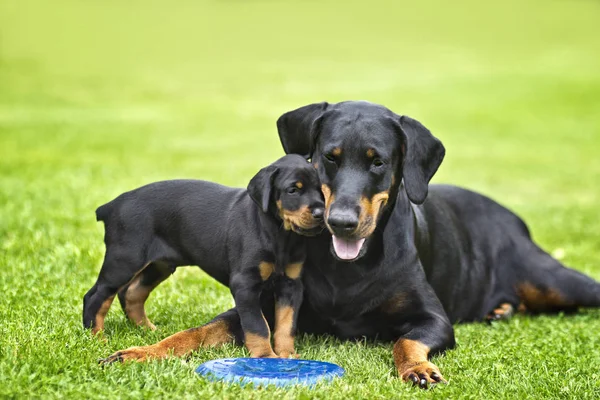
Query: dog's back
(163, 220)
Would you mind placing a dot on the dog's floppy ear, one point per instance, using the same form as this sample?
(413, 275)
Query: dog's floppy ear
(423, 155)
(261, 186)
(298, 129)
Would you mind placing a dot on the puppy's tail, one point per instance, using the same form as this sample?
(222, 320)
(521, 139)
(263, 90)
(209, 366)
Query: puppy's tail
(103, 212)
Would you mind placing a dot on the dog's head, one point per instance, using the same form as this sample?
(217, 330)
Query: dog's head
(290, 190)
(363, 152)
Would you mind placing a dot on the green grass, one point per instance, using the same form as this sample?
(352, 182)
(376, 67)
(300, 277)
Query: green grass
(97, 98)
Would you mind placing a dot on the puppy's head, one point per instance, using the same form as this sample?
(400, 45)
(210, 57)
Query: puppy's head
(363, 152)
(290, 190)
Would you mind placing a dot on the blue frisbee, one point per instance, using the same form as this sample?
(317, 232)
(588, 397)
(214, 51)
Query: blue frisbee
(269, 371)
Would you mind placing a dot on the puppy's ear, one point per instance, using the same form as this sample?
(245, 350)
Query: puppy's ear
(299, 129)
(261, 186)
(423, 155)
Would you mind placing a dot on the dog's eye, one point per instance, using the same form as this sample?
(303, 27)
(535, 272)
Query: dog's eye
(330, 157)
(292, 190)
(378, 162)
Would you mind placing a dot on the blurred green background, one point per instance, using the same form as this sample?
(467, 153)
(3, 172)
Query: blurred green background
(98, 97)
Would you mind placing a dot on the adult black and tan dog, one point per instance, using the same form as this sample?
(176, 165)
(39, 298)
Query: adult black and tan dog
(403, 260)
(246, 239)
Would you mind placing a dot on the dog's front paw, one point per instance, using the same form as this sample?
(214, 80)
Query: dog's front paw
(422, 374)
(131, 354)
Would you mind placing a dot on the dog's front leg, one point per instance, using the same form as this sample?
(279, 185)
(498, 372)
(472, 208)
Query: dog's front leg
(225, 328)
(288, 299)
(424, 329)
(246, 288)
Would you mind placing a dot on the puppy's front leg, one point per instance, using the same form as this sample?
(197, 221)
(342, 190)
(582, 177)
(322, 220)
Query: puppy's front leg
(246, 288)
(288, 298)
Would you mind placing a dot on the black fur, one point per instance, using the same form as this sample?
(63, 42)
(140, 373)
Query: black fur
(226, 231)
(450, 255)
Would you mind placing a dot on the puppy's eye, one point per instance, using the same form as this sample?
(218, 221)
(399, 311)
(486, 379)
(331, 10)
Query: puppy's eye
(292, 190)
(377, 162)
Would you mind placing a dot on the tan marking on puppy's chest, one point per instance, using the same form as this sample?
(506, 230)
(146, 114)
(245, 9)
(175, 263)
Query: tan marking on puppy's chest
(266, 269)
(293, 270)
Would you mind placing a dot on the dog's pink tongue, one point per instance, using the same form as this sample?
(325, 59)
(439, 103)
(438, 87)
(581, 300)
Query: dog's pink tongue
(347, 249)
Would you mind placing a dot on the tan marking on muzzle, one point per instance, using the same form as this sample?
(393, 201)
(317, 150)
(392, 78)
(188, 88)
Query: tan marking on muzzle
(302, 217)
(369, 212)
(328, 198)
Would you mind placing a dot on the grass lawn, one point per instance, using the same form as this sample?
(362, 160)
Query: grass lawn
(97, 98)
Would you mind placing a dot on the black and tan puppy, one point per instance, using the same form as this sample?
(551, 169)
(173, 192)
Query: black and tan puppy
(247, 239)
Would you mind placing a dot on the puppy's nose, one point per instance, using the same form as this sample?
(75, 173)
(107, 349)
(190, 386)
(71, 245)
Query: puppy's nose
(342, 221)
(317, 213)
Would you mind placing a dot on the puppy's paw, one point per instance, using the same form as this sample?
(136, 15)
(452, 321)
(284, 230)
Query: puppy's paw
(264, 355)
(287, 353)
(422, 374)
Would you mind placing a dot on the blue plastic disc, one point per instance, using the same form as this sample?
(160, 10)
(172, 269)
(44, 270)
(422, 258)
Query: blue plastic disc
(269, 371)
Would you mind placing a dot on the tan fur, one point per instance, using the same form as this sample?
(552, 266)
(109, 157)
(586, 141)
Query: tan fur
(135, 298)
(410, 357)
(537, 300)
(259, 346)
(301, 218)
(396, 303)
(265, 269)
(179, 344)
(284, 324)
(328, 198)
(369, 211)
(101, 314)
(293, 270)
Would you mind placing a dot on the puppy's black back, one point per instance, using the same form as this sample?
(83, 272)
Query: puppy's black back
(164, 218)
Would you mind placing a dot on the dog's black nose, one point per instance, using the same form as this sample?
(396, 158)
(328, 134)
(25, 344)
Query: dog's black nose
(342, 221)
(317, 213)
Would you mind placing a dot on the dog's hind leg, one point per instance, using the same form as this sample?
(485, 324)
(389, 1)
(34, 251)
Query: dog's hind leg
(545, 285)
(504, 311)
(119, 267)
(133, 296)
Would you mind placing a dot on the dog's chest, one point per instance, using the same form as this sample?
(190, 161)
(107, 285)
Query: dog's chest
(344, 292)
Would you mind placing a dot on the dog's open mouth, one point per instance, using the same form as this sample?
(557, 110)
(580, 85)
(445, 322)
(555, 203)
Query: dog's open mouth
(347, 249)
